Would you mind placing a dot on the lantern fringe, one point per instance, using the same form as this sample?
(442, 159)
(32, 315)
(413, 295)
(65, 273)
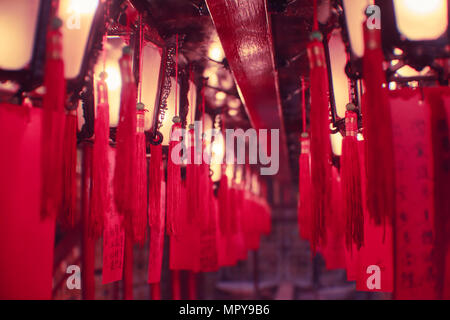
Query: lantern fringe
(100, 196)
(304, 187)
(53, 124)
(155, 175)
(192, 181)
(224, 214)
(320, 138)
(140, 215)
(351, 186)
(125, 174)
(378, 132)
(70, 170)
(173, 185)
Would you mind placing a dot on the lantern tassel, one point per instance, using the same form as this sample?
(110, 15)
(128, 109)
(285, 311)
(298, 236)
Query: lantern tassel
(125, 174)
(53, 123)
(351, 181)
(377, 132)
(100, 197)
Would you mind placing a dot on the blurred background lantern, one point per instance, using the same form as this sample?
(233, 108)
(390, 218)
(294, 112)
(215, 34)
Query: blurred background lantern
(151, 64)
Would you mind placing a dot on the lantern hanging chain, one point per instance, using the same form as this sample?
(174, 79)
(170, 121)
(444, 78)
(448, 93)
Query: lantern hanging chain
(303, 104)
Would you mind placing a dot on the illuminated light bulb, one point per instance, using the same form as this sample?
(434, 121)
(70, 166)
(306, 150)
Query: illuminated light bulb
(215, 52)
(221, 95)
(82, 6)
(113, 80)
(359, 137)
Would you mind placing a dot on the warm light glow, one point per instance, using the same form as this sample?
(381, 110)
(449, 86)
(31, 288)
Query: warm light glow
(422, 6)
(421, 19)
(218, 149)
(77, 17)
(220, 95)
(234, 102)
(233, 112)
(151, 63)
(114, 80)
(355, 16)
(216, 52)
(170, 113)
(18, 21)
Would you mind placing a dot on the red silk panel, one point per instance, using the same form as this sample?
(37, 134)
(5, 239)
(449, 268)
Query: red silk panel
(26, 242)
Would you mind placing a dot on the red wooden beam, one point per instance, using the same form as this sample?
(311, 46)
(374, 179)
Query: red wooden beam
(245, 33)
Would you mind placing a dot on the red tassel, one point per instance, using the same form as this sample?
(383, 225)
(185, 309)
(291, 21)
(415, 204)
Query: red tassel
(100, 196)
(140, 216)
(125, 174)
(173, 183)
(70, 169)
(320, 136)
(53, 124)
(155, 174)
(305, 204)
(377, 132)
(128, 268)
(192, 171)
(351, 182)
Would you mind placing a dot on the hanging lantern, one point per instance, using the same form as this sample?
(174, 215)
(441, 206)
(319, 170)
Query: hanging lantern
(78, 17)
(151, 64)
